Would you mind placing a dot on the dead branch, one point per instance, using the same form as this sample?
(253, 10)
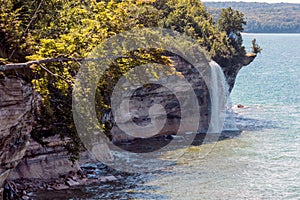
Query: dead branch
(14, 66)
(53, 74)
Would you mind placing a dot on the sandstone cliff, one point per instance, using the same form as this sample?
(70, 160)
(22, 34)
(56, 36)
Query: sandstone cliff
(17, 110)
(16, 120)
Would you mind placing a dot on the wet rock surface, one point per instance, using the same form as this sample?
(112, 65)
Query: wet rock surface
(91, 174)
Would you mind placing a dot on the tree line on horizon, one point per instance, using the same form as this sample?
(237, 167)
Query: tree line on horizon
(263, 17)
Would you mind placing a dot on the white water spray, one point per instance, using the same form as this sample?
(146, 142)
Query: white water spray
(229, 123)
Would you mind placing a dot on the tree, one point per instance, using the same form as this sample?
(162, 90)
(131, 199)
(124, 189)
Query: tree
(232, 21)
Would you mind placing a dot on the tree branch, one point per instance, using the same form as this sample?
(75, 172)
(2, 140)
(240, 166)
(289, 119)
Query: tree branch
(36, 62)
(53, 74)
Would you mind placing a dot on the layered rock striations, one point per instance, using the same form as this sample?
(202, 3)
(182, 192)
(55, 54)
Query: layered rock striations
(17, 103)
(179, 99)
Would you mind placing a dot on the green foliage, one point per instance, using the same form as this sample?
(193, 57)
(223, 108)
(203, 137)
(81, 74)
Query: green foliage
(33, 30)
(10, 29)
(232, 21)
(190, 17)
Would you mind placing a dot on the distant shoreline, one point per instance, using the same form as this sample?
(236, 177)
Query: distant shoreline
(262, 17)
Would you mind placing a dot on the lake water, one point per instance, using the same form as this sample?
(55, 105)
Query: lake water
(263, 162)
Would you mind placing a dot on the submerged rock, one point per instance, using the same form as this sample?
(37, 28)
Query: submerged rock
(108, 178)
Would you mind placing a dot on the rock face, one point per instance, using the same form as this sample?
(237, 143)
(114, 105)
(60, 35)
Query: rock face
(142, 99)
(180, 102)
(17, 101)
(46, 162)
(231, 69)
(20, 156)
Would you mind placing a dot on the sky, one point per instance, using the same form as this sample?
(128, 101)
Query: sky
(268, 1)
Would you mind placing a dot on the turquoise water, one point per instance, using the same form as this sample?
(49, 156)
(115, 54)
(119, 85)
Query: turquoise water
(273, 78)
(263, 162)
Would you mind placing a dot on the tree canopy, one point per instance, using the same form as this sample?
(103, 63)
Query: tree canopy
(70, 30)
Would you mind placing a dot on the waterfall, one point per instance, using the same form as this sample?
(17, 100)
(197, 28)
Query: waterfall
(217, 98)
(222, 115)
